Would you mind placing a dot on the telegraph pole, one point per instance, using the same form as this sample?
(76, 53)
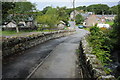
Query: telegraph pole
(74, 12)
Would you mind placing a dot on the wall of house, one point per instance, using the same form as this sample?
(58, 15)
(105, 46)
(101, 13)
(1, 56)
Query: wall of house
(92, 20)
(15, 45)
(12, 25)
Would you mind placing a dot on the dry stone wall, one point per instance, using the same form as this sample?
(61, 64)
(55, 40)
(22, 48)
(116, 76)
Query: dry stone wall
(91, 67)
(14, 45)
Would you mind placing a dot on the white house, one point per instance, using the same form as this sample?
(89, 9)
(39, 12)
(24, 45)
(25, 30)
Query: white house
(11, 24)
(22, 24)
(61, 25)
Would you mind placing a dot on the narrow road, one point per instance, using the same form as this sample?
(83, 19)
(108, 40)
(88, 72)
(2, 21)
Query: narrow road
(59, 64)
(62, 60)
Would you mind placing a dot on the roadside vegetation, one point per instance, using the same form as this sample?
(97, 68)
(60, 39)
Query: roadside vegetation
(110, 23)
(105, 41)
(79, 19)
(101, 43)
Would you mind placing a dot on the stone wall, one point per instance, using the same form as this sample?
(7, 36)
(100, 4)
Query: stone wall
(90, 66)
(14, 45)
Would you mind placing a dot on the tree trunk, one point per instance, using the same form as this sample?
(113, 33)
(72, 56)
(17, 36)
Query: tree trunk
(17, 29)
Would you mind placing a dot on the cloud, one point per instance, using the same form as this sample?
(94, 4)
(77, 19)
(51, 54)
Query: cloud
(72, 0)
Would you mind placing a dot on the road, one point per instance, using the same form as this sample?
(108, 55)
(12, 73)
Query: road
(59, 64)
(62, 60)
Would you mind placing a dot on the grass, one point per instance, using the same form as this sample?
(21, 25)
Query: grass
(10, 33)
(88, 29)
(110, 23)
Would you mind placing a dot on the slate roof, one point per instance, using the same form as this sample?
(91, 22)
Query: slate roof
(105, 16)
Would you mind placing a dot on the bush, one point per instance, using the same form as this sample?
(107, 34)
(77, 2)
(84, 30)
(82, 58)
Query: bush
(101, 44)
(78, 19)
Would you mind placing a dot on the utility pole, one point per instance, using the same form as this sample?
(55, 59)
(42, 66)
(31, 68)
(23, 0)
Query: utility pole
(74, 12)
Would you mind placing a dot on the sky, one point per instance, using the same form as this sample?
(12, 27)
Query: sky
(68, 3)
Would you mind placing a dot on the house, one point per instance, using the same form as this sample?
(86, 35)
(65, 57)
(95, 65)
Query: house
(110, 17)
(22, 24)
(11, 24)
(107, 17)
(31, 23)
(61, 25)
(92, 20)
(85, 15)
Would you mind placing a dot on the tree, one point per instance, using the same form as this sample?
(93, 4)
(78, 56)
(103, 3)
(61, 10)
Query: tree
(46, 9)
(50, 18)
(22, 11)
(113, 9)
(116, 29)
(84, 8)
(79, 19)
(69, 10)
(98, 8)
(62, 13)
(6, 6)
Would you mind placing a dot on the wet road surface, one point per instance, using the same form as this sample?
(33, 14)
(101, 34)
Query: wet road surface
(60, 63)
(62, 60)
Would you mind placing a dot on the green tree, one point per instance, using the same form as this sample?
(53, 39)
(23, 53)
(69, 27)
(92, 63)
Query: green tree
(69, 10)
(62, 13)
(50, 18)
(46, 9)
(116, 29)
(98, 8)
(113, 9)
(79, 19)
(22, 11)
(84, 8)
(6, 6)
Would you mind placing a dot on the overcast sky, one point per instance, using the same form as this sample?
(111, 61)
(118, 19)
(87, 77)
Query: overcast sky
(68, 3)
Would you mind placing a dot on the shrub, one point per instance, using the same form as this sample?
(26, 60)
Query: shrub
(101, 44)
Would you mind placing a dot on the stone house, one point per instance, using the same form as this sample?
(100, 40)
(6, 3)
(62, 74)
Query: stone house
(107, 17)
(91, 20)
(22, 24)
(11, 24)
(61, 25)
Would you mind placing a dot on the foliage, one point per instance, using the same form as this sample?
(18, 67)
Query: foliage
(45, 9)
(114, 9)
(84, 8)
(69, 10)
(116, 30)
(98, 8)
(78, 19)
(50, 18)
(6, 6)
(62, 13)
(101, 43)
(22, 11)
